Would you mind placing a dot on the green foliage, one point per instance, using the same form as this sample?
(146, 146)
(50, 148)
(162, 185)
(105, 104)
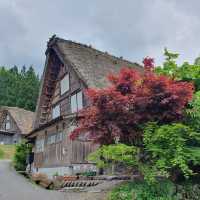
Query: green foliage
(166, 150)
(88, 173)
(171, 148)
(193, 113)
(197, 61)
(19, 88)
(116, 153)
(188, 191)
(164, 190)
(185, 72)
(108, 155)
(22, 151)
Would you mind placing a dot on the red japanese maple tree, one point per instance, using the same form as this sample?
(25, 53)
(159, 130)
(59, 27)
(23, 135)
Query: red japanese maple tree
(132, 99)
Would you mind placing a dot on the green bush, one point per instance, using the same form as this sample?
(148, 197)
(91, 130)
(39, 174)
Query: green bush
(164, 190)
(192, 118)
(108, 155)
(170, 148)
(20, 157)
(167, 150)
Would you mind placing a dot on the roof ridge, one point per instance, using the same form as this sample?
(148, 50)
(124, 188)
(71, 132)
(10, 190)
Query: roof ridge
(54, 39)
(15, 107)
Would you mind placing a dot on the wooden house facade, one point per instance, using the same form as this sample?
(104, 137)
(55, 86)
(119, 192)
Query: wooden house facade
(70, 68)
(15, 124)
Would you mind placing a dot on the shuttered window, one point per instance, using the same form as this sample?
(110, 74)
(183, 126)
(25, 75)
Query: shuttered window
(64, 84)
(76, 102)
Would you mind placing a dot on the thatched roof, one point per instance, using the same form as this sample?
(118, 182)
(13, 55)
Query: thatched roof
(91, 65)
(23, 118)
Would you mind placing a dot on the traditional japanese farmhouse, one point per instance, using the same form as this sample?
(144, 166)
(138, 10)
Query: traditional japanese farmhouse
(69, 69)
(15, 124)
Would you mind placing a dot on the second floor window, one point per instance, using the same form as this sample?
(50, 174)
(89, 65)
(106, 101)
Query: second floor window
(64, 84)
(7, 125)
(56, 111)
(76, 102)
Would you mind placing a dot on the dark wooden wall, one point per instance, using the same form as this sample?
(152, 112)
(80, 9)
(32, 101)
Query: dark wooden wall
(64, 152)
(67, 151)
(51, 95)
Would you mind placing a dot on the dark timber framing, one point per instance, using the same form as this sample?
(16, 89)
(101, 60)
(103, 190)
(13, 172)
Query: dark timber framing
(86, 67)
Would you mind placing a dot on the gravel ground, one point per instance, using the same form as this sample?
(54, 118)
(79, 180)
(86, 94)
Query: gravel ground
(16, 187)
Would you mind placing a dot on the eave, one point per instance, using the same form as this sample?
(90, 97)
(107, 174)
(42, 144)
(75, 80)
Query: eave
(6, 132)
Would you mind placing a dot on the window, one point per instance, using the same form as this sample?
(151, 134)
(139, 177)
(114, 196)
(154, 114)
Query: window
(40, 145)
(77, 102)
(64, 84)
(56, 111)
(59, 137)
(7, 125)
(51, 139)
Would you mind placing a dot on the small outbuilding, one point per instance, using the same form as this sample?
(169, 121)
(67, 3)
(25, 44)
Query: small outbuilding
(15, 123)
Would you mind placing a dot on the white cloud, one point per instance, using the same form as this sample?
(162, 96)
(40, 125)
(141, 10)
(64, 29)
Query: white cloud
(131, 28)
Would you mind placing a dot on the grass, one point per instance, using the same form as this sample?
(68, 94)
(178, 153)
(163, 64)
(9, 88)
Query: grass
(7, 151)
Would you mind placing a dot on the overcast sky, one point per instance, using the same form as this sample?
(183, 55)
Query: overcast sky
(129, 28)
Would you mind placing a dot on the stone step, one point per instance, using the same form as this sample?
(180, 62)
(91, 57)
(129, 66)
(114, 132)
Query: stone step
(68, 184)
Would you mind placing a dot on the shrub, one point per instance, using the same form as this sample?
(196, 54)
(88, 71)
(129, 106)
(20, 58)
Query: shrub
(108, 155)
(167, 150)
(193, 113)
(170, 148)
(20, 157)
(164, 190)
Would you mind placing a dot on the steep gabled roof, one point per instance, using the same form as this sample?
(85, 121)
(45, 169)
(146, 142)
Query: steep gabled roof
(23, 118)
(91, 65)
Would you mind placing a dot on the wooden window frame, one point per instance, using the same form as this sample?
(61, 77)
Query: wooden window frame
(41, 144)
(7, 121)
(62, 78)
(76, 96)
(53, 107)
(59, 137)
(49, 139)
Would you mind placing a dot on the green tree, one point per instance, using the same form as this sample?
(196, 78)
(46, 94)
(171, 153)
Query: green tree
(19, 88)
(171, 149)
(184, 72)
(20, 157)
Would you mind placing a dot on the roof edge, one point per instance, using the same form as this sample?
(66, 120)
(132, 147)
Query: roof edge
(54, 39)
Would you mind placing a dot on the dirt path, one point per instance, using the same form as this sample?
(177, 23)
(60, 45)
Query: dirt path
(16, 187)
